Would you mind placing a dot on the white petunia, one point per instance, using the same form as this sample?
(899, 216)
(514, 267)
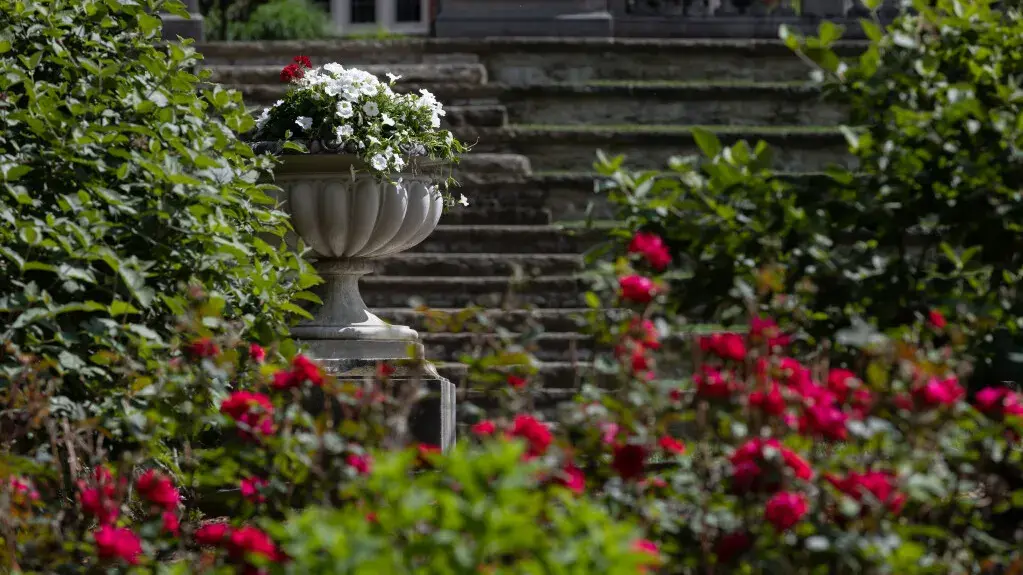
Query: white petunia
(398, 162)
(379, 162)
(393, 77)
(263, 117)
(334, 68)
(370, 109)
(351, 93)
(344, 109)
(305, 122)
(386, 120)
(343, 132)
(463, 200)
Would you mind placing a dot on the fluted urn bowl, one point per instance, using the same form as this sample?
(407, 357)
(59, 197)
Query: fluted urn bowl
(348, 216)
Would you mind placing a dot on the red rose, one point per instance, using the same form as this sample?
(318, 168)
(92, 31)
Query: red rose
(384, 370)
(97, 500)
(771, 402)
(538, 437)
(672, 445)
(303, 61)
(257, 353)
(254, 411)
(204, 347)
(937, 392)
(713, 384)
(784, 510)
(252, 489)
(644, 332)
(251, 540)
(573, 479)
(839, 381)
(826, 421)
(171, 523)
(767, 330)
(360, 463)
(730, 346)
(306, 370)
(291, 72)
(799, 466)
(516, 382)
(117, 543)
(937, 319)
(745, 475)
(881, 485)
(903, 401)
(158, 489)
(484, 428)
(651, 247)
(730, 545)
(750, 458)
(629, 460)
(638, 289)
(426, 453)
(212, 533)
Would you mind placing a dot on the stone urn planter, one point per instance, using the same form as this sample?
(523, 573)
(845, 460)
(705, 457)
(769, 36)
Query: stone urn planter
(348, 217)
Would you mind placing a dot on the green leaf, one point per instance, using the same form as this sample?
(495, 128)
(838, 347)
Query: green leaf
(122, 308)
(288, 306)
(707, 142)
(828, 32)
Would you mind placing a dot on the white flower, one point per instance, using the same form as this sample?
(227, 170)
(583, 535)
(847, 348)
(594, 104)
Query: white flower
(463, 200)
(344, 109)
(386, 120)
(334, 68)
(343, 132)
(370, 109)
(263, 117)
(393, 77)
(305, 122)
(398, 162)
(351, 93)
(379, 162)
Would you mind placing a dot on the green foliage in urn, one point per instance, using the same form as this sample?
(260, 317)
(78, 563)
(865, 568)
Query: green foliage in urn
(121, 182)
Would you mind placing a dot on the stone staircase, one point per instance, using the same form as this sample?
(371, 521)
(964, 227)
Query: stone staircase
(538, 109)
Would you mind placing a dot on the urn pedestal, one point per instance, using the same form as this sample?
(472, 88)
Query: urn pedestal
(348, 217)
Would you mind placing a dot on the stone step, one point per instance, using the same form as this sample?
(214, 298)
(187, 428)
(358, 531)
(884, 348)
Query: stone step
(524, 61)
(508, 240)
(547, 347)
(270, 74)
(477, 264)
(572, 148)
(439, 292)
(261, 94)
(672, 103)
(452, 319)
(553, 381)
(510, 215)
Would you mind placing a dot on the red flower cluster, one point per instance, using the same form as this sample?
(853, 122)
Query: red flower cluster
(639, 339)
(257, 353)
(204, 347)
(516, 382)
(652, 248)
(573, 479)
(484, 428)
(879, 484)
(938, 392)
(22, 490)
(296, 70)
(538, 437)
(638, 289)
(117, 543)
(752, 470)
(239, 543)
(1000, 401)
(785, 509)
(97, 497)
(360, 463)
(766, 330)
(937, 319)
(252, 489)
(158, 489)
(727, 346)
(672, 445)
(712, 383)
(629, 460)
(302, 370)
(254, 411)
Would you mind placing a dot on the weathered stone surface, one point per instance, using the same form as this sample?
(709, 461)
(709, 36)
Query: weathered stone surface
(483, 164)
(550, 320)
(493, 116)
(672, 104)
(175, 26)
(566, 148)
(478, 264)
(399, 291)
(509, 215)
(548, 347)
(498, 239)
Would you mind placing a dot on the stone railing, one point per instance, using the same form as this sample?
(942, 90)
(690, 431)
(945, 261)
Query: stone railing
(737, 19)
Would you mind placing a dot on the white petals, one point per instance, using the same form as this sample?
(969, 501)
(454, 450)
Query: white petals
(370, 109)
(379, 162)
(305, 122)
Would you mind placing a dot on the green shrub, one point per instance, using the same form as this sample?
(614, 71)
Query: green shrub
(122, 183)
(287, 20)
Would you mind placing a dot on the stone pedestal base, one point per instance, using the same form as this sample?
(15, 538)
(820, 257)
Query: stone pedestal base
(433, 418)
